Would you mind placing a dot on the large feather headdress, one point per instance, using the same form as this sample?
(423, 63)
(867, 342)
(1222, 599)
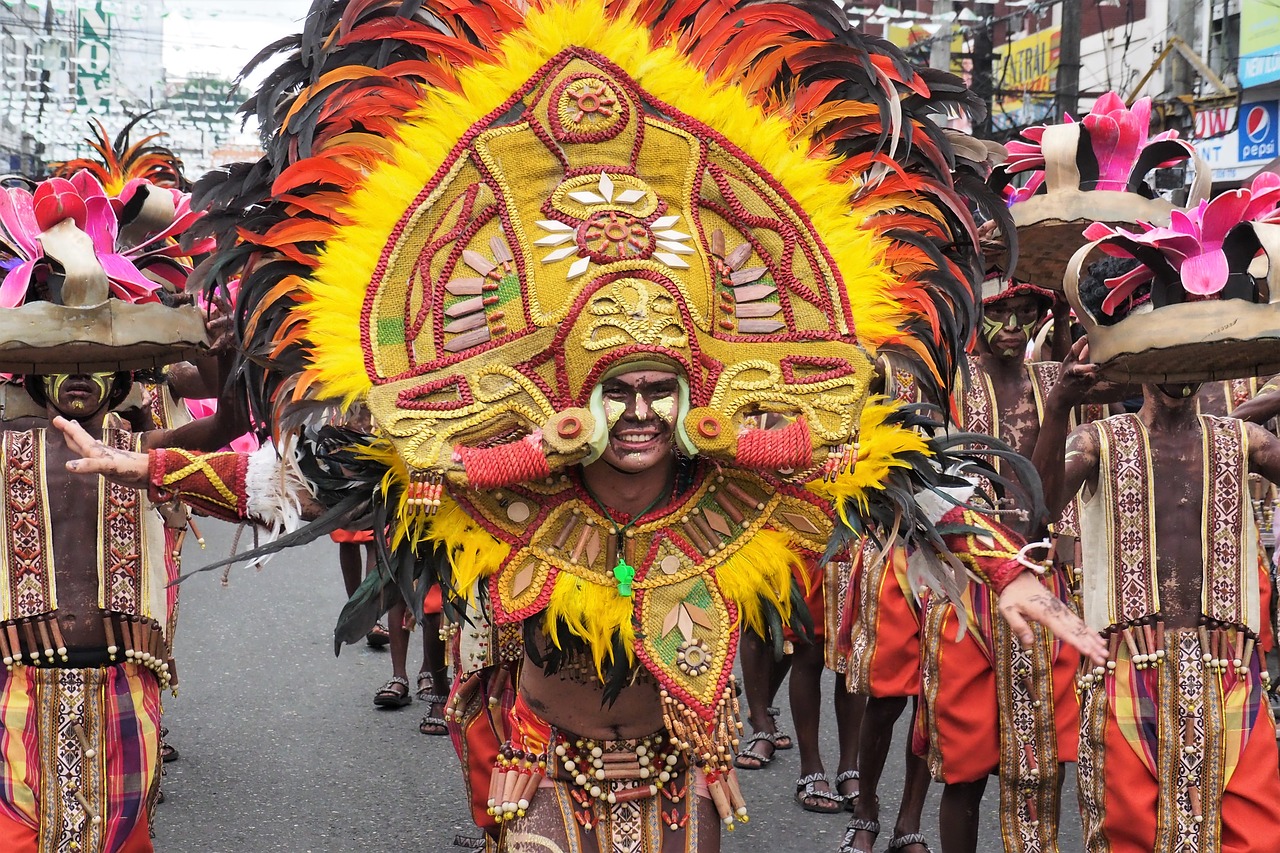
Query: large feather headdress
(469, 212)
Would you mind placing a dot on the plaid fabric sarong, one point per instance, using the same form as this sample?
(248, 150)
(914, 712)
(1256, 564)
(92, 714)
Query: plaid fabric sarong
(76, 744)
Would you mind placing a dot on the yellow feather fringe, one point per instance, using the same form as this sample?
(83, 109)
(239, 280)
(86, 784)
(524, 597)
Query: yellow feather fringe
(593, 613)
(338, 286)
(881, 448)
(760, 569)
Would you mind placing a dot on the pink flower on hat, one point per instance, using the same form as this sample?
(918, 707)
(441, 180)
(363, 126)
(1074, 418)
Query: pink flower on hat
(1192, 246)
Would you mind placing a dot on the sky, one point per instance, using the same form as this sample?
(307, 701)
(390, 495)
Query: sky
(220, 36)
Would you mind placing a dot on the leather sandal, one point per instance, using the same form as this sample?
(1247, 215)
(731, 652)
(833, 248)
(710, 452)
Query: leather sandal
(168, 752)
(900, 841)
(747, 753)
(856, 825)
(379, 637)
(390, 695)
(813, 800)
(850, 800)
(433, 725)
(781, 740)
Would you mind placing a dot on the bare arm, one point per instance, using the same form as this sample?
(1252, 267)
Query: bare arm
(1060, 339)
(188, 381)
(1065, 462)
(1264, 452)
(1260, 409)
(230, 421)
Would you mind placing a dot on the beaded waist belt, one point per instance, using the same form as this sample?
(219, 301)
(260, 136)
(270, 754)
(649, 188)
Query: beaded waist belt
(616, 771)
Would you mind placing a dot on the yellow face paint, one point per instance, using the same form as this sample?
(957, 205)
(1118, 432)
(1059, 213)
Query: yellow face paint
(53, 387)
(665, 407)
(613, 412)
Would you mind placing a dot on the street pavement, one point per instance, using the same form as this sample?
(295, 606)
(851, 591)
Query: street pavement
(282, 749)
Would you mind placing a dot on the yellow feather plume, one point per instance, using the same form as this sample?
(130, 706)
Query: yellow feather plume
(881, 447)
(347, 264)
(760, 569)
(594, 614)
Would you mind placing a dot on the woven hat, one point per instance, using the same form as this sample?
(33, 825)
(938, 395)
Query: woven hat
(82, 276)
(1093, 170)
(1213, 291)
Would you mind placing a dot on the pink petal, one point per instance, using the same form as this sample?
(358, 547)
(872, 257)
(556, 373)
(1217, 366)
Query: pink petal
(100, 223)
(1186, 222)
(1263, 203)
(1132, 136)
(1108, 137)
(246, 443)
(1140, 112)
(1123, 286)
(1205, 274)
(1221, 215)
(18, 219)
(127, 280)
(1098, 230)
(201, 408)
(1108, 103)
(1175, 244)
(14, 288)
(87, 186)
(1264, 181)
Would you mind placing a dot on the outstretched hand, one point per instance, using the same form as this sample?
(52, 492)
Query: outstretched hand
(122, 467)
(1026, 600)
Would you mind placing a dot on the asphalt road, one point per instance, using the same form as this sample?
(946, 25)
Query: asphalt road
(282, 749)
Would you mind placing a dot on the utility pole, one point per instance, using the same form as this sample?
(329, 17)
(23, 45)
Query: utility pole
(1179, 77)
(940, 44)
(983, 61)
(1068, 82)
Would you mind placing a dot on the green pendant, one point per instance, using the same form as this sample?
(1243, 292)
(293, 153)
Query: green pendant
(624, 575)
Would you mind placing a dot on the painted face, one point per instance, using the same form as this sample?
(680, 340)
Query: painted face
(640, 409)
(78, 395)
(1179, 390)
(1008, 324)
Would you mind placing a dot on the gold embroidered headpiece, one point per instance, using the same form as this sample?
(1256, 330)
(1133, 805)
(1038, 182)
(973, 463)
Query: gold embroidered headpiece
(470, 228)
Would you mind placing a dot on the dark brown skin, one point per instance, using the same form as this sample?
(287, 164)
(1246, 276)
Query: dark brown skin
(638, 465)
(1001, 358)
(73, 503)
(1068, 462)
(1261, 408)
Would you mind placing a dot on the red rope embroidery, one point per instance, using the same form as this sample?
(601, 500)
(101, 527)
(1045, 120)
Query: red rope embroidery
(504, 465)
(777, 449)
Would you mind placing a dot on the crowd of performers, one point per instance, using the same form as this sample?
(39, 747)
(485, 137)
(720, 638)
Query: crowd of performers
(639, 340)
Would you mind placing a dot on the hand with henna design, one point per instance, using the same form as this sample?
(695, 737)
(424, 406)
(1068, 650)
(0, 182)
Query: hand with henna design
(121, 467)
(1026, 600)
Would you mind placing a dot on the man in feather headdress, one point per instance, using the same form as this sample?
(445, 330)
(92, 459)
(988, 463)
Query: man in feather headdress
(606, 276)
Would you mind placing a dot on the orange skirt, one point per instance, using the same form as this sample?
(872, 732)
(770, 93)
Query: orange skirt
(958, 727)
(351, 536)
(1250, 816)
(884, 637)
(434, 602)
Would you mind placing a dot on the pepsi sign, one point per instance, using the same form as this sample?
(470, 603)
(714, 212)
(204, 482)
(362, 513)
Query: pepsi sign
(1257, 131)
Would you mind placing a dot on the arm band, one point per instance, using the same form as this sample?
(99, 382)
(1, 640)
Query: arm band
(212, 483)
(992, 556)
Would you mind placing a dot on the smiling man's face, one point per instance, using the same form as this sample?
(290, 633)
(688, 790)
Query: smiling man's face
(640, 409)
